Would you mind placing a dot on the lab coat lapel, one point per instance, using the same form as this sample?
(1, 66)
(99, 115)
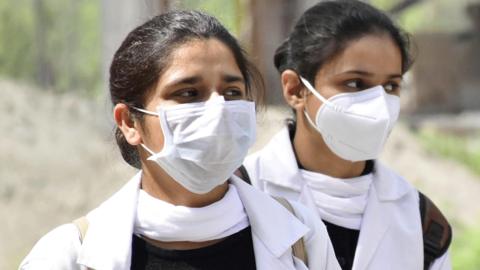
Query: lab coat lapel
(272, 240)
(376, 222)
(266, 260)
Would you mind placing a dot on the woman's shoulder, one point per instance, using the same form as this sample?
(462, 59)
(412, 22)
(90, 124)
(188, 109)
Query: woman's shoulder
(58, 249)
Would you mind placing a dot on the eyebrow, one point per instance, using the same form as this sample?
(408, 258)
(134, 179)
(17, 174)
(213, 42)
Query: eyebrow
(227, 78)
(185, 80)
(368, 74)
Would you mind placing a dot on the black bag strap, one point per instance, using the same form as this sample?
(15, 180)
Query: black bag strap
(242, 173)
(437, 232)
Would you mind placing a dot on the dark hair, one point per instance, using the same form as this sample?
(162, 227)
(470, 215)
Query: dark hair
(145, 53)
(325, 30)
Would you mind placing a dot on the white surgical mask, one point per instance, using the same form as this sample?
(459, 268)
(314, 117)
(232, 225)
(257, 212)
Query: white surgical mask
(356, 125)
(204, 142)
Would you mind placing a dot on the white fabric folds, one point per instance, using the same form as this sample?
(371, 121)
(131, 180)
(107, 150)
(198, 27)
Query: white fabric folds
(163, 221)
(339, 201)
(204, 142)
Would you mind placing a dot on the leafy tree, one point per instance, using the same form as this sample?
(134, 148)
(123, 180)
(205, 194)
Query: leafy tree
(53, 43)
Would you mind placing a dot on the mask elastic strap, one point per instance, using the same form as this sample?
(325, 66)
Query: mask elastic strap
(145, 111)
(311, 122)
(315, 93)
(147, 149)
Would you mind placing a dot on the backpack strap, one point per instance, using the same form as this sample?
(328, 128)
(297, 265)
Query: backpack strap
(298, 248)
(437, 232)
(82, 226)
(242, 173)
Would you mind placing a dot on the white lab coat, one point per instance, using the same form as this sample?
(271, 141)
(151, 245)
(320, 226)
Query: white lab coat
(107, 244)
(391, 233)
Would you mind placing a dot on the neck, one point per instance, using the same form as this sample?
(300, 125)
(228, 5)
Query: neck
(160, 185)
(314, 155)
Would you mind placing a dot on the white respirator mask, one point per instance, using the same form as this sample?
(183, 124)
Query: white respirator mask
(204, 142)
(355, 126)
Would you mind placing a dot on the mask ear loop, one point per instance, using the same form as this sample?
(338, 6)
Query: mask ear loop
(324, 100)
(148, 113)
(309, 119)
(145, 111)
(320, 97)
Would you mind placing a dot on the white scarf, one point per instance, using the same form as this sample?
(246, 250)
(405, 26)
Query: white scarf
(163, 221)
(339, 201)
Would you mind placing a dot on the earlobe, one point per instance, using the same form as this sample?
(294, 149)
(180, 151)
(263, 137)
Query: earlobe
(292, 89)
(126, 124)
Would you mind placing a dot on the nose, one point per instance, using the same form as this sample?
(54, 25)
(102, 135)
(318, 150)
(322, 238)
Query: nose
(213, 94)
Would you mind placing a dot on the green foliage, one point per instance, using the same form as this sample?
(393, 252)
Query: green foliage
(229, 13)
(383, 4)
(16, 32)
(465, 250)
(430, 15)
(465, 150)
(60, 38)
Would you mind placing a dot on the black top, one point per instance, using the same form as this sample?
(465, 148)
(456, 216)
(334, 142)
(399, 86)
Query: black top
(235, 252)
(344, 243)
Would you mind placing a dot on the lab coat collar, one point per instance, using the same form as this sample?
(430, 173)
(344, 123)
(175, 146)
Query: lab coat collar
(389, 186)
(279, 153)
(107, 245)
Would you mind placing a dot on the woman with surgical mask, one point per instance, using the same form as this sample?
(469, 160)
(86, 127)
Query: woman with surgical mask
(341, 69)
(183, 93)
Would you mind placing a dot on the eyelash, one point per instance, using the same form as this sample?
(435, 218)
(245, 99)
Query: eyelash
(191, 93)
(233, 92)
(363, 86)
(395, 86)
(186, 93)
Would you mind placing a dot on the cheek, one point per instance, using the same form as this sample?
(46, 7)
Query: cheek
(152, 135)
(312, 105)
(331, 90)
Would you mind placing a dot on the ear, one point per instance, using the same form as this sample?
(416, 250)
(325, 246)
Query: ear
(293, 89)
(126, 124)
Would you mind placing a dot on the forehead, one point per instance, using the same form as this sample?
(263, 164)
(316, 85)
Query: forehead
(377, 54)
(201, 57)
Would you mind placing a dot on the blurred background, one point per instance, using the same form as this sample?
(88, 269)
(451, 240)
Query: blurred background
(58, 158)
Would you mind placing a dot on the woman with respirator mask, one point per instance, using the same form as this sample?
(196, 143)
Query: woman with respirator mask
(182, 91)
(341, 69)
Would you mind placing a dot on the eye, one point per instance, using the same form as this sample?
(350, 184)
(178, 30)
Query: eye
(355, 84)
(391, 87)
(186, 93)
(233, 93)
